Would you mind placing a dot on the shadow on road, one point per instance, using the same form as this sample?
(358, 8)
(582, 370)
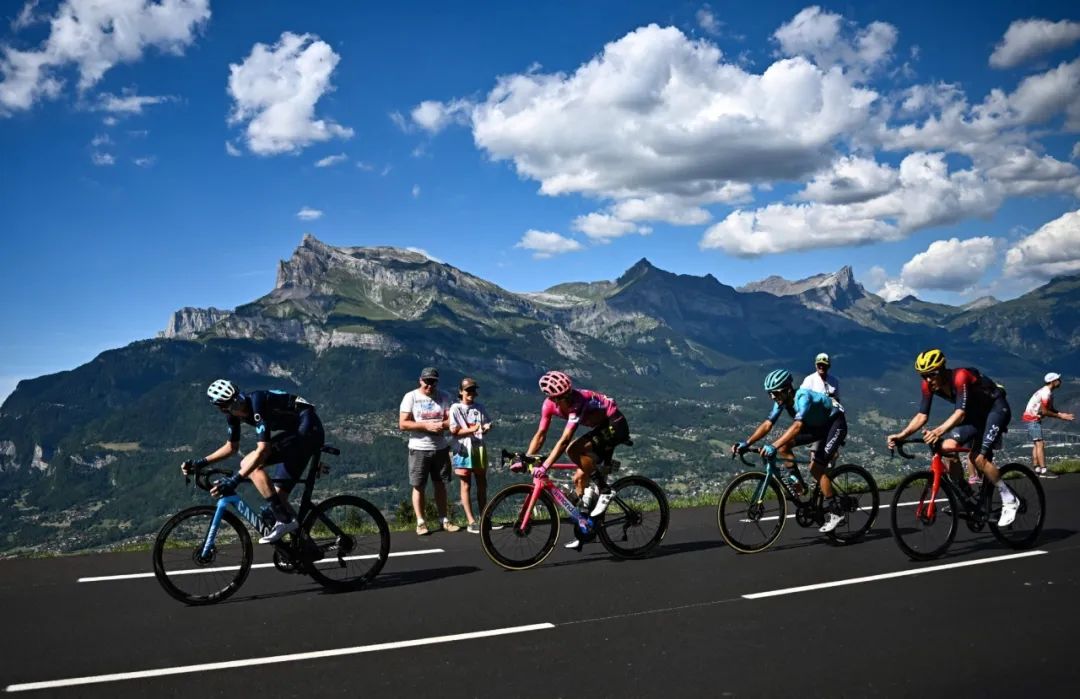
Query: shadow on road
(411, 577)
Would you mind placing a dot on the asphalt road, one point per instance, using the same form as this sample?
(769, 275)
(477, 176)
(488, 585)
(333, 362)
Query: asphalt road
(581, 625)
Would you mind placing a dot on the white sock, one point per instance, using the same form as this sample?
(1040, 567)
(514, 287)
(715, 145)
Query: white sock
(1006, 494)
(419, 521)
(446, 520)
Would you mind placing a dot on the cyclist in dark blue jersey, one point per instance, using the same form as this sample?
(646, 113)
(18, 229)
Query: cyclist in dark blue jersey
(980, 416)
(288, 431)
(815, 418)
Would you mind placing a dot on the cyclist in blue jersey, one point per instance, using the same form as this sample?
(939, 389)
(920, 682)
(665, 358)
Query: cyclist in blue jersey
(299, 435)
(815, 418)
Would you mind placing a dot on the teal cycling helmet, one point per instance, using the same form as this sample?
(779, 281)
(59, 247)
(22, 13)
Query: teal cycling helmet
(777, 379)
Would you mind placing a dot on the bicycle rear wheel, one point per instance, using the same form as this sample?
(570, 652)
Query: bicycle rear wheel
(506, 541)
(920, 535)
(1025, 529)
(752, 512)
(636, 520)
(185, 572)
(857, 495)
(346, 542)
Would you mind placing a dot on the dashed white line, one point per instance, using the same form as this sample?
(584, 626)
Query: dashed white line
(291, 658)
(886, 576)
(868, 507)
(198, 571)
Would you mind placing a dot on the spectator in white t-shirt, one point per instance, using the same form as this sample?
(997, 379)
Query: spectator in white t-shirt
(821, 380)
(1040, 405)
(424, 415)
(469, 423)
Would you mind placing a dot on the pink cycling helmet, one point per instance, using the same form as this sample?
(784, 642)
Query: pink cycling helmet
(555, 384)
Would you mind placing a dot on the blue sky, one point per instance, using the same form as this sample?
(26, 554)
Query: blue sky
(155, 155)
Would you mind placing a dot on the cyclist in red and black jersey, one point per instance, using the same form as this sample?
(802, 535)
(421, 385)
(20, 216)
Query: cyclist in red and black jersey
(980, 416)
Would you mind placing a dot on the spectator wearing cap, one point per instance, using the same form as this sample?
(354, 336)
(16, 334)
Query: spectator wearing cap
(821, 380)
(469, 422)
(424, 415)
(1040, 405)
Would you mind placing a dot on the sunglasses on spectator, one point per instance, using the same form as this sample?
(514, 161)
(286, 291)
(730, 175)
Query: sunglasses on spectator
(429, 382)
(470, 389)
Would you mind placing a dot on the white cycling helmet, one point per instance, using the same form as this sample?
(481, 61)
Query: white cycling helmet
(222, 392)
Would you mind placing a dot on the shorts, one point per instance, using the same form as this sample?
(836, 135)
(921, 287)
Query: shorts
(474, 459)
(985, 436)
(422, 464)
(606, 437)
(1035, 430)
(829, 437)
(292, 451)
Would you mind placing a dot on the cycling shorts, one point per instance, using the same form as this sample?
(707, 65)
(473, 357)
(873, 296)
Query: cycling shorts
(984, 436)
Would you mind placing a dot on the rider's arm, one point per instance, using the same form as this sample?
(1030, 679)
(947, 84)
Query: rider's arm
(560, 446)
(789, 434)
(914, 426)
(537, 442)
(223, 452)
(763, 429)
(952, 421)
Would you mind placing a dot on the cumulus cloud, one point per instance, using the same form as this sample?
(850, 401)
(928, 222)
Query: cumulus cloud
(544, 244)
(308, 214)
(926, 194)
(27, 17)
(603, 227)
(851, 179)
(829, 41)
(950, 265)
(331, 160)
(128, 103)
(1075, 155)
(275, 90)
(434, 116)
(425, 253)
(94, 36)
(102, 159)
(232, 150)
(1052, 250)
(894, 290)
(1026, 39)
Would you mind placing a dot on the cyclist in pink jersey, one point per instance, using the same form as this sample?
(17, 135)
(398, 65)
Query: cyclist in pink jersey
(607, 429)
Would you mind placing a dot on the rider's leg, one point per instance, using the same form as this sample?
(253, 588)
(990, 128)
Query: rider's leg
(580, 452)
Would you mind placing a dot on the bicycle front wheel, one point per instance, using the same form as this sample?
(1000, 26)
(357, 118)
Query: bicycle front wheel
(190, 571)
(920, 532)
(345, 542)
(510, 543)
(752, 512)
(636, 519)
(856, 493)
(1025, 529)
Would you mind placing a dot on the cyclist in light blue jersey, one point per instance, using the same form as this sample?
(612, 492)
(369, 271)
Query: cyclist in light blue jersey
(815, 418)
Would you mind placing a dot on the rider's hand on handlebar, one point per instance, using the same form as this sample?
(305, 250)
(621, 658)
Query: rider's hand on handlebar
(768, 451)
(739, 448)
(226, 486)
(187, 467)
(931, 436)
(890, 441)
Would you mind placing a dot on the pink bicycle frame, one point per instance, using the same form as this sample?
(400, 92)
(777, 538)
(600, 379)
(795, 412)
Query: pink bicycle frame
(937, 467)
(545, 483)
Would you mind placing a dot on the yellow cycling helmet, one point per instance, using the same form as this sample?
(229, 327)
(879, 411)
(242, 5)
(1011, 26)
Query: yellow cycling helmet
(930, 360)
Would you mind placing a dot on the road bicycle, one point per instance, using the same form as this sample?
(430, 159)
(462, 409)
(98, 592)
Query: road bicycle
(203, 554)
(928, 504)
(520, 525)
(753, 509)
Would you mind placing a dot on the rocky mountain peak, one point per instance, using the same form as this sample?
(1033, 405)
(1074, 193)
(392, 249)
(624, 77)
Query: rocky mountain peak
(842, 280)
(188, 322)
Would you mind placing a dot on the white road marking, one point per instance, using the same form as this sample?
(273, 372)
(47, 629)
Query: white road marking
(868, 507)
(886, 576)
(292, 657)
(197, 571)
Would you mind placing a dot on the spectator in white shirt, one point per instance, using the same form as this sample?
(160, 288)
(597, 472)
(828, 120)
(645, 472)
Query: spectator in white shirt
(821, 380)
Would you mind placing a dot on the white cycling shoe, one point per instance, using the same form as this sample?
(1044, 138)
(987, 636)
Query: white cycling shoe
(832, 521)
(602, 503)
(280, 529)
(1008, 513)
(575, 545)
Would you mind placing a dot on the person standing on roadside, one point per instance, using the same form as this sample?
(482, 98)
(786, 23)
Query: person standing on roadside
(469, 423)
(821, 380)
(424, 415)
(1040, 405)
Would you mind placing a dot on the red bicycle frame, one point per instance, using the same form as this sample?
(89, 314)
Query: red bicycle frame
(926, 509)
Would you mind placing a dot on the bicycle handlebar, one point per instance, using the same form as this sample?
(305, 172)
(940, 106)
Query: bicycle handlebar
(203, 474)
(934, 448)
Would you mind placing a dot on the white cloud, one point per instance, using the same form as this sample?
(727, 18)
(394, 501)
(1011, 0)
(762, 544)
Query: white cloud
(102, 139)
(851, 179)
(829, 41)
(94, 36)
(657, 113)
(874, 278)
(400, 121)
(1075, 155)
(109, 120)
(951, 265)
(366, 167)
(546, 244)
(434, 116)
(1052, 250)
(308, 214)
(102, 159)
(603, 227)
(708, 21)
(145, 161)
(128, 103)
(232, 150)
(275, 90)
(1026, 39)
(27, 17)
(926, 195)
(894, 290)
(416, 191)
(425, 253)
(331, 160)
